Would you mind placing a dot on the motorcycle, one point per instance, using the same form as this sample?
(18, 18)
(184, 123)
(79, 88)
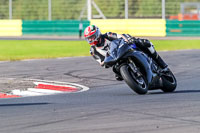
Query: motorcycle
(138, 70)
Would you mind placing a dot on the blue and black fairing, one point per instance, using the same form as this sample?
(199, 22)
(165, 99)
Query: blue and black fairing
(119, 49)
(143, 61)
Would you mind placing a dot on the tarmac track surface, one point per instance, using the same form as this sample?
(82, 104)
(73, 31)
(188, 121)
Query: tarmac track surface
(109, 106)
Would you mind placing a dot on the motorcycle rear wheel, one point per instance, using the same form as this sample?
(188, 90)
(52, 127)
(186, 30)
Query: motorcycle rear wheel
(137, 84)
(169, 82)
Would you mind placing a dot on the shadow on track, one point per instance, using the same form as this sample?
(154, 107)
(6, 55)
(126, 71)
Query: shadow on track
(181, 91)
(22, 104)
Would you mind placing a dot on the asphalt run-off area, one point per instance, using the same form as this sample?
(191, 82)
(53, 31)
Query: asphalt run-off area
(102, 104)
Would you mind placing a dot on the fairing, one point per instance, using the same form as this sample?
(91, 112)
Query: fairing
(120, 50)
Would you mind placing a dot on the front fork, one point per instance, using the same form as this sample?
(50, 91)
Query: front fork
(134, 67)
(131, 64)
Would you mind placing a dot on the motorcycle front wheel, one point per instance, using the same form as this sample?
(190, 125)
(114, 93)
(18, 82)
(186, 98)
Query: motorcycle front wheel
(135, 82)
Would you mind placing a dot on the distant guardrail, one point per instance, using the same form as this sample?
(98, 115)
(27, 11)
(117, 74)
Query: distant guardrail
(183, 28)
(10, 27)
(134, 27)
(59, 27)
(38, 27)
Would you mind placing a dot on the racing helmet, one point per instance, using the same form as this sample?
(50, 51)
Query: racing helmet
(92, 34)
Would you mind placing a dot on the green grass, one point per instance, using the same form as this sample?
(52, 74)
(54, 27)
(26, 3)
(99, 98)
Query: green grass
(35, 49)
(162, 45)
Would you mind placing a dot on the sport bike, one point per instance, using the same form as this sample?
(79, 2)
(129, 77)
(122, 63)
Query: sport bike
(137, 69)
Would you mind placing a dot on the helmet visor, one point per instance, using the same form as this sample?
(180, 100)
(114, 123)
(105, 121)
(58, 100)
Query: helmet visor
(91, 39)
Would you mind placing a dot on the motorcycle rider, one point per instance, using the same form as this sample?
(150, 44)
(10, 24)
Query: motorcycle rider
(100, 45)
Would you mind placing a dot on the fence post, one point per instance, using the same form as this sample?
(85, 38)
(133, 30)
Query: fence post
(10, 9)
(126, 9)
(198, 11)
(163, 9)
(89, 13)
(49, 10)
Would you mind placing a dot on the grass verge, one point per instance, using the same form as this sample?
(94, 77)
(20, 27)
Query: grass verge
(35, 49)
(171, 45)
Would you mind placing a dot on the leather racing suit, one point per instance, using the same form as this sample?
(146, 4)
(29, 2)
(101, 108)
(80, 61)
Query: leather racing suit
(99, 51)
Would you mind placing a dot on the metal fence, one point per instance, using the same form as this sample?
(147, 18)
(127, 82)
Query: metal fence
(89, 9)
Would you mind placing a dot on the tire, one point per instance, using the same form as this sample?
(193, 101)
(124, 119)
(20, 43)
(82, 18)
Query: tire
(169, 82)
(132, 81)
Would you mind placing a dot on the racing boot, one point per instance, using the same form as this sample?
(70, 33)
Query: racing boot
(160, 62)
(155, 56)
